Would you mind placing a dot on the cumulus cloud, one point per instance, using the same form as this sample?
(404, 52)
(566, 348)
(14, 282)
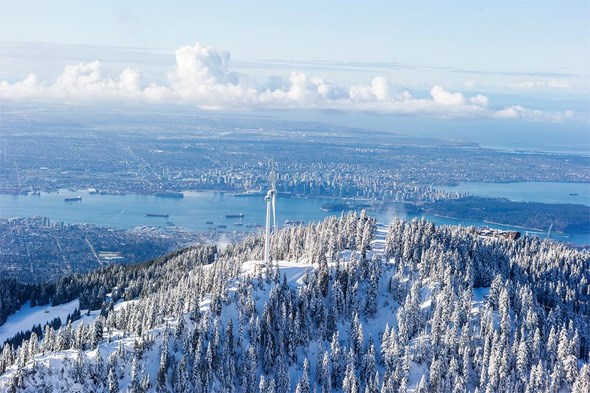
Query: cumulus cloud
(78, 83)
(480, 100)
(518, 112)
(199, 65)
(202, 77)
(444, 97)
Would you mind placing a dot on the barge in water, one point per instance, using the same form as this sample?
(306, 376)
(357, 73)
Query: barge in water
(157, 215)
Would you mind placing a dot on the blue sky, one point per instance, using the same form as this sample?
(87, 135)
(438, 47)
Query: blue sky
(527, 60)
(531, 36)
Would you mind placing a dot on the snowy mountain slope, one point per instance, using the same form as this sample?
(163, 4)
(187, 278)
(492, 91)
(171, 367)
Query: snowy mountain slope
(29, 316)
(349, 306)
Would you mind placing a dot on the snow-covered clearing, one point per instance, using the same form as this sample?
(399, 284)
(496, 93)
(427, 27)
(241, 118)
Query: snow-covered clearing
(378, 242)
(295, 271)
(25, 318)
(480, 296)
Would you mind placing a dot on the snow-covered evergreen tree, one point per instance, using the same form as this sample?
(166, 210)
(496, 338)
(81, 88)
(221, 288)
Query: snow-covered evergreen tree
(346, 305)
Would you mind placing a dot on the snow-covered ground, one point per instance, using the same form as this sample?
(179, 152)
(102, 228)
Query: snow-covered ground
(28, 316)
(25, 318)
(378, 242)
(295, 273)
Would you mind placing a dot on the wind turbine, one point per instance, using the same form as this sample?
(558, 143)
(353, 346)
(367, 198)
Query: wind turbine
(273, 186)
(270, 199)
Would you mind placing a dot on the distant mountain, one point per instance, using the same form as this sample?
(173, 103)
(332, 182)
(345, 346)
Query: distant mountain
(349, 305)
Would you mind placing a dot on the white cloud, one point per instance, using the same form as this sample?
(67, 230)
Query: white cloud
(381, 88)
(479, 100)
(199, 65)
(444, 97)
(512, 112)
(518, 112)
(79, 83)
(202, 77)
(579, 84)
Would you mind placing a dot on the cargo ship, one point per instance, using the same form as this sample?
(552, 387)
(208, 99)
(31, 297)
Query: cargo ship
(73, 199)
(157, 215)
(241, 215)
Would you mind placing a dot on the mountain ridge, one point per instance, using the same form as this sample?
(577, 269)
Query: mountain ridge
(348, 306)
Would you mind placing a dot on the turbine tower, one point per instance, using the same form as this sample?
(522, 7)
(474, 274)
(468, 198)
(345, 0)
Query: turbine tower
(273, 186)
(270, 208)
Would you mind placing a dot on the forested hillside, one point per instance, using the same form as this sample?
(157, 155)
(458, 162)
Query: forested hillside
(347, 305)
(560, 217)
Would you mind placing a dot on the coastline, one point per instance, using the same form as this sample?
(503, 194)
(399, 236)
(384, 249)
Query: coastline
(188, 212)
(528, 229)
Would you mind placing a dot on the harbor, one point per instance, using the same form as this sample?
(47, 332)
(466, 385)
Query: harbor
(204, 211)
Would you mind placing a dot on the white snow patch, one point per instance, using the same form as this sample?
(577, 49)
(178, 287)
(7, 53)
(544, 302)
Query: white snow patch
(295, 271)
(123, 304)
(25, 318)
(86, 318)
(480, 296)
(379, 238)
(344, 255)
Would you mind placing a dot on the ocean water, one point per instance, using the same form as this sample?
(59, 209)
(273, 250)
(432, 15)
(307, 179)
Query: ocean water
(196, 209)
(546, 192)
(126, 211)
